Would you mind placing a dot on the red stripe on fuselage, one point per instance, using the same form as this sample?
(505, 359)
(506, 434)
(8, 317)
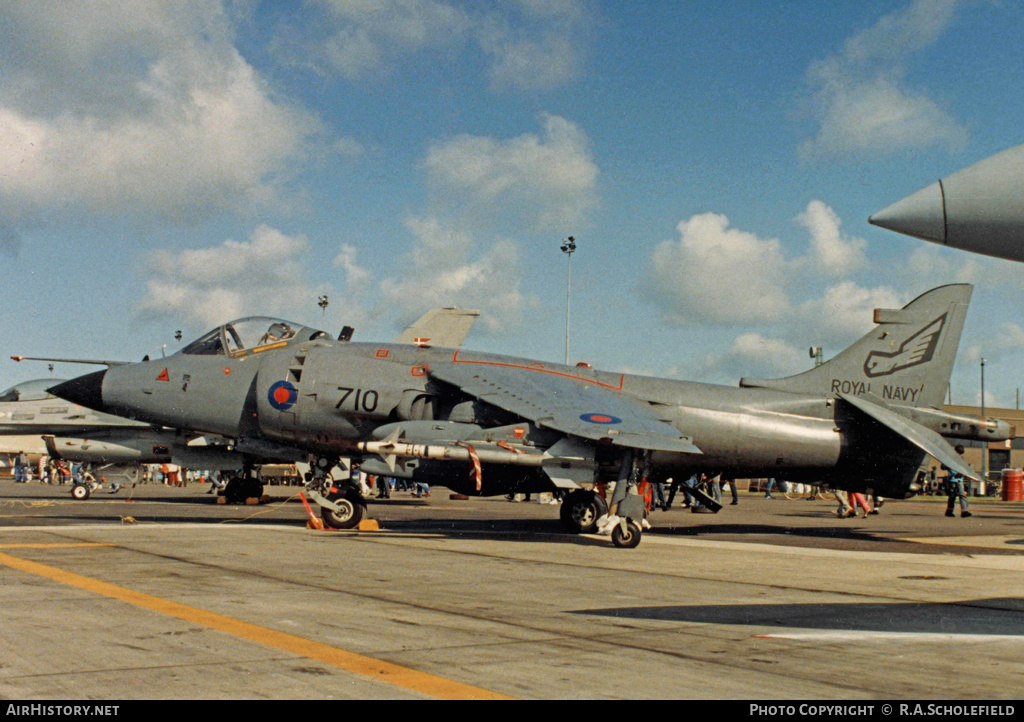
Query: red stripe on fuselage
(622, 377)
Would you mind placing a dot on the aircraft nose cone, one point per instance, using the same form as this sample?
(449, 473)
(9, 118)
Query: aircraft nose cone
(921, 214)
(85, 390)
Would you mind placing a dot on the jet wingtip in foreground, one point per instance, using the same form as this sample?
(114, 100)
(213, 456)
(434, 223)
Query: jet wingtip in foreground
(978, 209)
(921, 215)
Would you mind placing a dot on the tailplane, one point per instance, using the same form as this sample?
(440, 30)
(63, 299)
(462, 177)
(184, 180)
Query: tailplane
(907, 358)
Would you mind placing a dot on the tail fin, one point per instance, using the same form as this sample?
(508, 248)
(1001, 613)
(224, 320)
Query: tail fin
(444, 327)
(907, 358)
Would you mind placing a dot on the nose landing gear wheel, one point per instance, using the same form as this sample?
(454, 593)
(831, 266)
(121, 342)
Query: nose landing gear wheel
(352, 509)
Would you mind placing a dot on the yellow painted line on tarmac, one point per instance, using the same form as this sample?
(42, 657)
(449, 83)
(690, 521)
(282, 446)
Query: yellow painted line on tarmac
(404, 677)
(54, 545)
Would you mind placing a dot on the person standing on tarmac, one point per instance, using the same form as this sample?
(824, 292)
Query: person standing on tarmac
(731, 481)
(845, 510)
(858, 499)
(955, 491)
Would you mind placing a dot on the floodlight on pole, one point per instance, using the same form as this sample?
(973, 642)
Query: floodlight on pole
(322, 303)
(984, 444)
(568, 247)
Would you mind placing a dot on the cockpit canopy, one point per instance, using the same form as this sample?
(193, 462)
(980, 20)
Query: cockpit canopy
(30, 390)
(250, 335)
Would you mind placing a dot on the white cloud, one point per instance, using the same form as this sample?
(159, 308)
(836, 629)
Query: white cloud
(529, 45)
(357, 278)
(140, 109)
(447, 270)
(539, 48)
(752, 350)
(834, 253)
(208, 286)
(369, 35)
(860, 97)
(935, 265)
(549, 177)
(844, 312)
(717, 274)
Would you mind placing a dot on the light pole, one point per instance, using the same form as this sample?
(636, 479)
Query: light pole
(322, 303)
(984, 444)
(568, 246)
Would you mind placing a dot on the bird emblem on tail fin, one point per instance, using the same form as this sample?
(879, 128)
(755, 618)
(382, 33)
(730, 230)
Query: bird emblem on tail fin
(916, 350)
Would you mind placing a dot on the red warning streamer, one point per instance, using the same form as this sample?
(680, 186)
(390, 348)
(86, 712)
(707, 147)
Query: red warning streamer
(476, 472)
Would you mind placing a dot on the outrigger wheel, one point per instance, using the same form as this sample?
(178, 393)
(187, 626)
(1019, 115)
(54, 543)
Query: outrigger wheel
(628, 539)
(581, 510)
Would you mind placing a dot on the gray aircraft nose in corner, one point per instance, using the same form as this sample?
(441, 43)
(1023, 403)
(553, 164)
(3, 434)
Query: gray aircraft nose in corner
(978, 209)
(921, 214)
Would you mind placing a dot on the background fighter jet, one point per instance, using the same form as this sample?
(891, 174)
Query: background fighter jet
(487, 424)
(978, 209)
(78, 434)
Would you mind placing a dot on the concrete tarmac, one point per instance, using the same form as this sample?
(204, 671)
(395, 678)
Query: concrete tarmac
(160, 593)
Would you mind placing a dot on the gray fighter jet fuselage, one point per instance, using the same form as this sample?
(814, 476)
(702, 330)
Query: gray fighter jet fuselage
(487, 424)
(72, 432)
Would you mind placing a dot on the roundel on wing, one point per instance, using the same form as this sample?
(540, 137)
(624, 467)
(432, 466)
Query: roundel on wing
(605, 419)
(282, 395)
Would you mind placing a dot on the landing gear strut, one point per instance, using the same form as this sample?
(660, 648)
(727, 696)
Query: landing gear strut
(342, 506)
(627, 510)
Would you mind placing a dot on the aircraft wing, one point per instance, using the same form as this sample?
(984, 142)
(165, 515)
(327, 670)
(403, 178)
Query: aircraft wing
(567, 404)
(925, 439)
(443, 327)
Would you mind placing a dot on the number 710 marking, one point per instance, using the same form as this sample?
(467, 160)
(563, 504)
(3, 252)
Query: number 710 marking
(364, 400)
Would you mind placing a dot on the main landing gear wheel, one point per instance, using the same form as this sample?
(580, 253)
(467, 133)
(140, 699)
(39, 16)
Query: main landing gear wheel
(353, 507)
(80, 492)
(240, 488)
(628, 539)
(581, 510)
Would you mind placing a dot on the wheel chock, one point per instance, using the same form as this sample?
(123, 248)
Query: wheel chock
(369, 525)
(313, 522)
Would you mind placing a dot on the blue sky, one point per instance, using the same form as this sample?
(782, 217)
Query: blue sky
(173, 165)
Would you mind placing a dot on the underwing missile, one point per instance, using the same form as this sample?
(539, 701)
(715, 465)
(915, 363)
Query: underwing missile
(978, 209)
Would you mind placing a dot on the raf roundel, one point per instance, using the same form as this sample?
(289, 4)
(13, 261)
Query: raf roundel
(282, 395)
(605, 419)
